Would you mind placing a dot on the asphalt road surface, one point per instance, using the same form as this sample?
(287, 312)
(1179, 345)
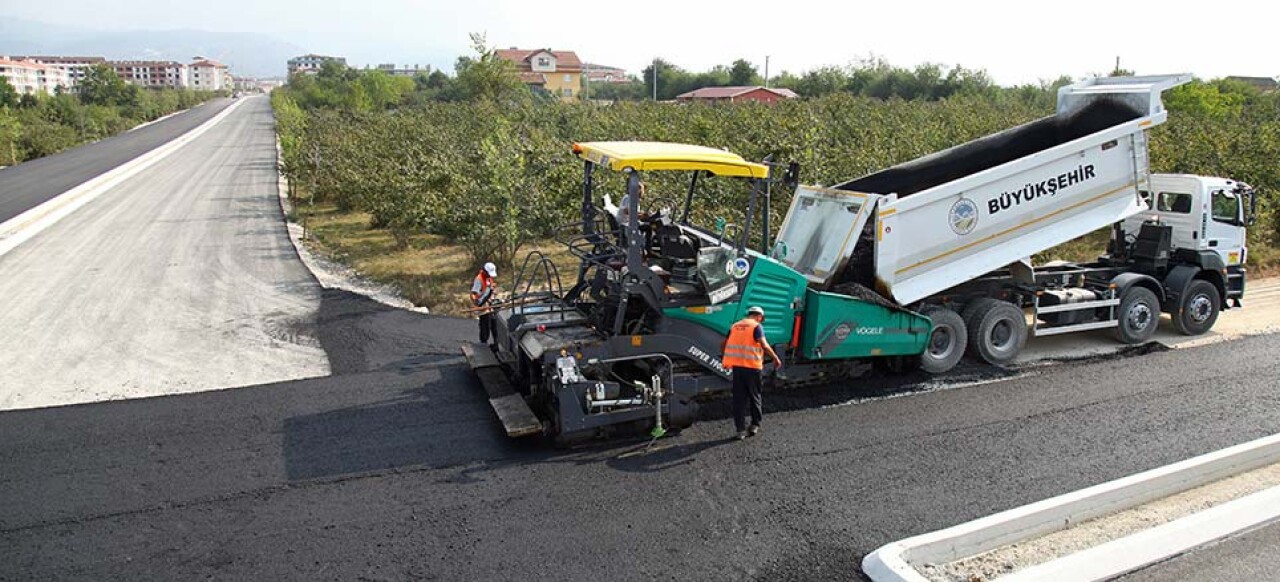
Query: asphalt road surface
(396, 469)
(182, 278)
(29, 184)
(1247, 557)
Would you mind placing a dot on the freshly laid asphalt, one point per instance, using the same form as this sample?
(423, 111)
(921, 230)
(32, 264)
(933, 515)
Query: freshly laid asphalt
(29, 184)
(396, 469)
(1247, 557)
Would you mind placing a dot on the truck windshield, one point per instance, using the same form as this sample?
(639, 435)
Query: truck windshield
(1226, 206)
(820, 229)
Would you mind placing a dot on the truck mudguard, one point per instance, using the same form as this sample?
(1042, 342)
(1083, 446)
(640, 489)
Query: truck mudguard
(1124, 281)
(1181, 276)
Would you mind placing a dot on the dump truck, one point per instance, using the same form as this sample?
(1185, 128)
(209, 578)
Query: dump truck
(915, 265)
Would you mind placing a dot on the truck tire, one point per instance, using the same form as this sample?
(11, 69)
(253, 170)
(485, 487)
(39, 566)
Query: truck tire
(1198, 308)
(970, 315)
(947, 341)
(997, 331)
(1138, 315)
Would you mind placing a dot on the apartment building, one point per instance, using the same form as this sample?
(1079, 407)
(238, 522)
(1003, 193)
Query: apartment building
(158, 74)
(29, 77)
(208, 75)
(405, 71)
(311, 63)
(74, 67)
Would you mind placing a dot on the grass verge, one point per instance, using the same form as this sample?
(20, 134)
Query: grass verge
(429, 271)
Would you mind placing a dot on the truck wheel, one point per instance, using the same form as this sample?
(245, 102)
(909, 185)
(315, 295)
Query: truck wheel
(1198, 309)
(997, 332)
(946, 343)
(1138, 315)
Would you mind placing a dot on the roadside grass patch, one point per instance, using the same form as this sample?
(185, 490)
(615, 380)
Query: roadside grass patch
(428, 271)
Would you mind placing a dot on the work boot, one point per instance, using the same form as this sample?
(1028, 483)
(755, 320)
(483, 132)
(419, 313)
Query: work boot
(742, 434)
(753, 430)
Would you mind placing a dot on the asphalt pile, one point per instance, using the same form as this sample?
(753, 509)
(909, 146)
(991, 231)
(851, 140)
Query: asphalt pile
(988, 152)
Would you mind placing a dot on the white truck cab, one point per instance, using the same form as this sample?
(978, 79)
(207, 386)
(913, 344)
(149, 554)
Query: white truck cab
(1207, 216)
(1206, 213)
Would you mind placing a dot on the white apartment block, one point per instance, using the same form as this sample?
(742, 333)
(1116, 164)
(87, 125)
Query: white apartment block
(208, 75)
(44, 74)
(30, 77)
(74, 67)
(311, 64)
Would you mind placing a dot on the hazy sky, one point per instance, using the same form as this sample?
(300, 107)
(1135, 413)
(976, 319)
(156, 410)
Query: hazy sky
(1015, 42)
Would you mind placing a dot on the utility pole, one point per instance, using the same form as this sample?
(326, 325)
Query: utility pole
(766, 71)
(655, 78)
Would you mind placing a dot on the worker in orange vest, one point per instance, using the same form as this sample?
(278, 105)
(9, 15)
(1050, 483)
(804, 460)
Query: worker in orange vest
(483, 293)
(744, 351)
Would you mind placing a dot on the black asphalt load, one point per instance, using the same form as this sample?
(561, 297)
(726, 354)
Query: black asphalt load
(30, 184)
(396, 469)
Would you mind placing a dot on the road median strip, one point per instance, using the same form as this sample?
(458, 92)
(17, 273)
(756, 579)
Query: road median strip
(903, 560)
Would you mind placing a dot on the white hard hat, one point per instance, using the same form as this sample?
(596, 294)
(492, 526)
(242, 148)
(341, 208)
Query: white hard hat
(755, 310)
(491, 269)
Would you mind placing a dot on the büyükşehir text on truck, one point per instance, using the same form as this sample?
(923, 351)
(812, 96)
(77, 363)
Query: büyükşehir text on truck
(917, 264)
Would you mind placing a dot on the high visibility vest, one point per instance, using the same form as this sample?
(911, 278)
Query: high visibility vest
(742, 350)
(481, 288)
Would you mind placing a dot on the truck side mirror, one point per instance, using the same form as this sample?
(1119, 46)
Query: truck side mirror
(792, 176)
(1252, 216)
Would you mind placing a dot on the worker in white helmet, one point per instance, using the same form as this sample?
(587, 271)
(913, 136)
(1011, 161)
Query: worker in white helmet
(483, 292)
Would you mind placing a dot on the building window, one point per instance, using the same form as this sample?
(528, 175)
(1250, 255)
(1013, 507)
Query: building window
(567, 92)
(568, 78)
(544, 62)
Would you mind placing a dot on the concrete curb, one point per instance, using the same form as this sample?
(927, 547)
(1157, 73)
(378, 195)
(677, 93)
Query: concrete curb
(894, 561)
(1147, 547)
(22, 227)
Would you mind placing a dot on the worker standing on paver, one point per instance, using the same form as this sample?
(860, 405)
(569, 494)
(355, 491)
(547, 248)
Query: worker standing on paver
(744, 351)
(483, 293)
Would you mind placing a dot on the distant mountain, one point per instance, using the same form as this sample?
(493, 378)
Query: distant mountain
(247, 54)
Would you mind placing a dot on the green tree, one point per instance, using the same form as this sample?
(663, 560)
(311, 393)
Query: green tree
(385, 91)
(486, 76)
(1209, 99)
(743, 73)
(102, 86)
(8, 95)
(10, 133)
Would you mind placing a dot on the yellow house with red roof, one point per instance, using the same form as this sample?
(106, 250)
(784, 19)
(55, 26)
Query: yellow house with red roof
(559, 72)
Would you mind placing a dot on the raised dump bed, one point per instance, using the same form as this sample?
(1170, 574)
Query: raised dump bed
(955, 215)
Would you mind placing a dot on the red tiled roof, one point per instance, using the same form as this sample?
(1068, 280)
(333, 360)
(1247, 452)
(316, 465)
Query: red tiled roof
(531, 78)
(565, 60)
(29, 64)
(731, 92)
(145, 64)
(59, 60)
